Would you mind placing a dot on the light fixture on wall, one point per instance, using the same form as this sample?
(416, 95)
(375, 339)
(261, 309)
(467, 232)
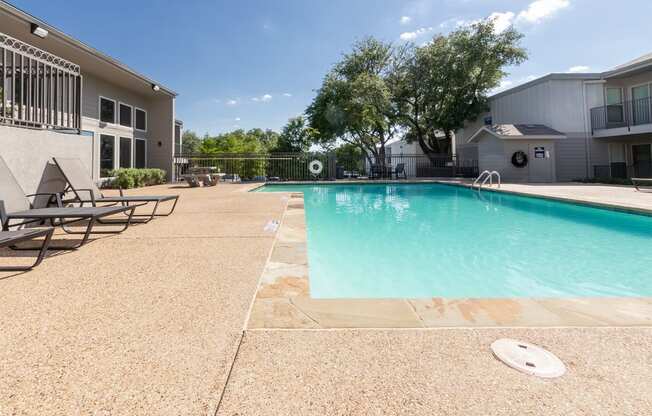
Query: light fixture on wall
(156, 88)
(39, 31)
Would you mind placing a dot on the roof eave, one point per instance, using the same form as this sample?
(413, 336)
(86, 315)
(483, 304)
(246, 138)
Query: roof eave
(81, 45)
(624, 71)
(548, 77)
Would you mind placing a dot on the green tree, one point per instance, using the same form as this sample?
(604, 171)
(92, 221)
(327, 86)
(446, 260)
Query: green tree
(354, 104)
(350, 156)
(190, 143)
(237, 141)
(295, 137)
(267, 138)
(439, 86)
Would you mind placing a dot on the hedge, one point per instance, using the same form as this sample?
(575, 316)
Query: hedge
(606, 181)
(136, 178)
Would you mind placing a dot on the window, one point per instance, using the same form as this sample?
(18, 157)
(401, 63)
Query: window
(107, 110)
(141, 120)
(139, 157)
(125, 115)
(177, 140)
(107, 155)
(614, 100)
(614, 96)
(125, 152)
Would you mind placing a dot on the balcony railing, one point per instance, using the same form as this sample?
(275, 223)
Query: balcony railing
(621, 170)
(38, 89)
(626, 114)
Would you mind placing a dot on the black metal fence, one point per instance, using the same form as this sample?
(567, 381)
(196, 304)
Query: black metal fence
(251, 166)
(625, 114)
(301, 166)
(623, 171)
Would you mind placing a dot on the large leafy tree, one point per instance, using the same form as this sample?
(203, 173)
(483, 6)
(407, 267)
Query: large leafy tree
(439, 86)
(190, 142)
(295, 137)
(237, 141)
(354, 104)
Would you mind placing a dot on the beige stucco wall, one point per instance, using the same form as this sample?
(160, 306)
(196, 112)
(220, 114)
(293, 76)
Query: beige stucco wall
(160, 140)
(27, 152)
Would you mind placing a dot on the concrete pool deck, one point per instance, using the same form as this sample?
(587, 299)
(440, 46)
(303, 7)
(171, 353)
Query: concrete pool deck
(283, 300)
(151, 322)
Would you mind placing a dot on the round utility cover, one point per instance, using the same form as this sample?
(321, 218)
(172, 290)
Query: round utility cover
(528, 358)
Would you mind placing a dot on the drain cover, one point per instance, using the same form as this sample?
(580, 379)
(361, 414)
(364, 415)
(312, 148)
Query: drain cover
(528, 358)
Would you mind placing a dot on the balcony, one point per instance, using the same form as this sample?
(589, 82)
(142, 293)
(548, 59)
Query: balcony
(38, 89)
(626, 117)
(621, 170)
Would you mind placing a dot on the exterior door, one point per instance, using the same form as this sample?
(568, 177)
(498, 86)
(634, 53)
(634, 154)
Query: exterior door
(642, 160)
(641, 104)
(541, 163)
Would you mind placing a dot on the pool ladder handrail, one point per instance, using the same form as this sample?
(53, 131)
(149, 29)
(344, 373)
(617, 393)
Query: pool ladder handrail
(486, 176)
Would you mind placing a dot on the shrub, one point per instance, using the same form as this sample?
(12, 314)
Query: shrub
(607, 181)
(136, 178)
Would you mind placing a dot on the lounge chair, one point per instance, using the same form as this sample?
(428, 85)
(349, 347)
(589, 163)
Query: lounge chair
(638, 182)
(16, 206)
(11, 238)
(85, 190)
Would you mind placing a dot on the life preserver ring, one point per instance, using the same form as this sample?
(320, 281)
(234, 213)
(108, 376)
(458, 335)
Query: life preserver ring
(315, 167)
(519, 159)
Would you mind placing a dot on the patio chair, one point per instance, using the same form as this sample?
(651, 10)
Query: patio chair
(400, 170)
(376, 172)
(192, 180)
(15, 205)
(11, 238)
(209, 180)
(80, 184)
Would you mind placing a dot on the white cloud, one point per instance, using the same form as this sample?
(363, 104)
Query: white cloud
(539, 10)
(536, 12)
(405, 20)
(413, 35)
(579, 68)
(237, 119)
(287, 94)
(232, 102)
(502, 21)
(264, 98)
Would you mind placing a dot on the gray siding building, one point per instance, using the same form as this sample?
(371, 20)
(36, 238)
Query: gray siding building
(605, 120)
(61, 97)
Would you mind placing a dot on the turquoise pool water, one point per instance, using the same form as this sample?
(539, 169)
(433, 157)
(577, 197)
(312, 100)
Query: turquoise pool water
(425, 240)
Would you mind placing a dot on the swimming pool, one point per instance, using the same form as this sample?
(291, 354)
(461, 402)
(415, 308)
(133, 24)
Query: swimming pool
(432, 240)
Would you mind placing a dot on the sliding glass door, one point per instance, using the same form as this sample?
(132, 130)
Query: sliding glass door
(641, 104)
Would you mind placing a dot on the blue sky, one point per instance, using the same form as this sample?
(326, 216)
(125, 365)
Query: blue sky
(255, 63)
